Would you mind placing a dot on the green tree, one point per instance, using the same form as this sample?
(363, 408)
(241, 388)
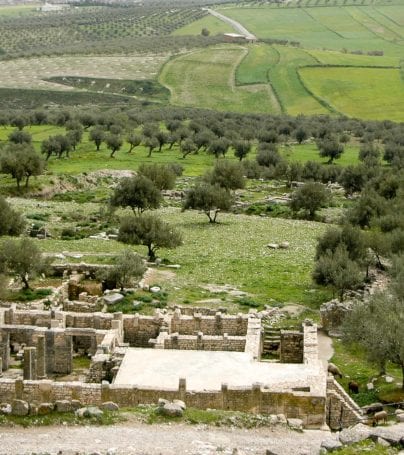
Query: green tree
(210, 199)
(330, 148)
(151, 143)
(128, 270)
(336, 269)
(241, 149)
(133, 140)
(23, 258)
(187, 147)
(97, 135)
(161, 175)
(114, 143)
(21, 161)
(226, 174)
(55, 145)
(20, 137)
(139, 193)
(150, 231)
(309, 197)
(11, 222)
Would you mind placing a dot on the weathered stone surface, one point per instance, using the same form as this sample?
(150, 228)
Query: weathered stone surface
(393, 434)
(109, 406)
(284, 245)
(171, 410)
(5, 409)
(19, 408)
(383, 442)
(76, 404)
(332, 314)
(273, 246)
(295, 424)
(282, 419)
(180, 403)
(111, 299)
(330, 444)
(155, 289)
(90, 411)
(162, 402)
(45, 408)
(63, 406)
(400, 417)
(354, 434)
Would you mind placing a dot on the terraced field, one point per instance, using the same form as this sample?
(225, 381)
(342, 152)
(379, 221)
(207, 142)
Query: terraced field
(206, 79)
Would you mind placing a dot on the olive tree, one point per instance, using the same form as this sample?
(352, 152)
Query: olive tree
(150, 231)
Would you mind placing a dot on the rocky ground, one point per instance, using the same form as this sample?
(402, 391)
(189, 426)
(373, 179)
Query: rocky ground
(142, 439)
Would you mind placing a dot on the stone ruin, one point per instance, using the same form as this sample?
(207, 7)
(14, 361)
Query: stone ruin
(206, 360)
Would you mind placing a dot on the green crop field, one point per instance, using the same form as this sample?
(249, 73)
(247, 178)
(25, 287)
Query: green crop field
(213, 24)
(371, 93)
(206, 79)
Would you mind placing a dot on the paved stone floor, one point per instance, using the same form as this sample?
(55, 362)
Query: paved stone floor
(207, 370)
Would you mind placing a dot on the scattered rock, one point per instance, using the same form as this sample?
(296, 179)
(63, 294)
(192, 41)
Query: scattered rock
(383, 442)
(171, 410)
(284, 245)
(155, 289)
(111, 299)
(354, 434)
(5, 409)
(282, 419)
(389, 379)
(295, 424)
(273, 246)
(109, 406)
(162, 402)
(45, 408)
(330, 444)
(392, 435)
(180, 403)
(370, 386)
(90, 411)
(19, 408)
(400, 417)
(63, 406)
(76, 404)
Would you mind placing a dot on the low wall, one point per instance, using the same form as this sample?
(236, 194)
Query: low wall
(209, 325)
(254, 399)
(199, 342)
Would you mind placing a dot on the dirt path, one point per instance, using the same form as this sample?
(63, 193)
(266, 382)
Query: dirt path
(236, 25)
(325, 349)
(142, 439)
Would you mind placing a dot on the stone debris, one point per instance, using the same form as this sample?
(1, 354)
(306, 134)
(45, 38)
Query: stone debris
(109, 406)
(295, 424)
(63, 406)
(113, 298)
(88, 412)
(19, 408)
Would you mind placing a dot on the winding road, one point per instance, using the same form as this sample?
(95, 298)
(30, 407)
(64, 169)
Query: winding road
(236, 25)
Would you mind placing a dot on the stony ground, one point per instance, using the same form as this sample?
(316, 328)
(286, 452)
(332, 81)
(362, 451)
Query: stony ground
(142, 439)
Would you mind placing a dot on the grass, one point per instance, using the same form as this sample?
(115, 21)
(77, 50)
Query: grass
(207, 79)
(211, 23)
(332, 28)
(27, 295)
(310, 152)
(366, 447)
(369, 93)
(354, 366)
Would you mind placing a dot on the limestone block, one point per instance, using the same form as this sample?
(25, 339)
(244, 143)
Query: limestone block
(5, 408)
(331, 444)
(63, 406)
(111, 299)
(282, 419)
(45, 408)
(171, 410)
(90, 411)
(400, 417)
(109, 406)
(355, 434)
(76, 404)
(19, 408)
(180, 403)
(162, 402)
(295, 424)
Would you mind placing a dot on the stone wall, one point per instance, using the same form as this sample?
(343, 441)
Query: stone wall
(341, 410)
(251, 399)
(291, 346)
(209, 325)
(138, 330)
(199, 342)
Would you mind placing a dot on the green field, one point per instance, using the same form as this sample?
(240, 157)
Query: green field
(335, 28)
(211, 23)
(370, 93)
(206, 79)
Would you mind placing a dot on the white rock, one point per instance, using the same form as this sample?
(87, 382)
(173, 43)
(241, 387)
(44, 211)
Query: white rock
(370, 386)
(155, 289)
(389, 379)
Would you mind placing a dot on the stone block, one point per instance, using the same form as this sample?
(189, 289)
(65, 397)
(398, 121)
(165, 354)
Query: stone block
(113, 298)
(45, 408)
(19, 408)
(171, 410)
(109, 406)
(63, 406)
(295, 424)
(329, 445)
